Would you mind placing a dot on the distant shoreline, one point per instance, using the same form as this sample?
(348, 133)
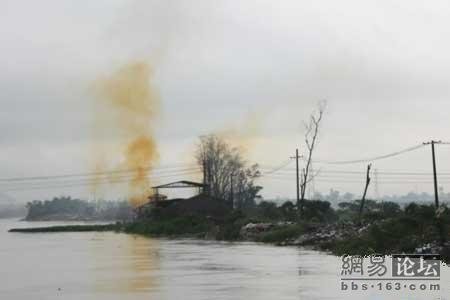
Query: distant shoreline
(67, 219)
(68, 228)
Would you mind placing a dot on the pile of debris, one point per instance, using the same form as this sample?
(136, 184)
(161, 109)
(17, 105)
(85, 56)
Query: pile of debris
(328, 233)
(313, 234)
(252, 230)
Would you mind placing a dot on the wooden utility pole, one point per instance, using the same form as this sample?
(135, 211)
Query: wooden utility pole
(297, 175)
(363, 199)
(296, 157)
(439, 224)
(204, 172)
(206, 184)
(436, 194)
(433, 155)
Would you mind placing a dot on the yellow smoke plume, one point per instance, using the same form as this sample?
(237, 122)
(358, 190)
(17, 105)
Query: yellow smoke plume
(126, 108)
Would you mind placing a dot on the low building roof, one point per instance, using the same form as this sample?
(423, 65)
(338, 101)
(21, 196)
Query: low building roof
(181, 184)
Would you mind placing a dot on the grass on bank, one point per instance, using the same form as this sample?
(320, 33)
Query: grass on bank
(282, 234)
(190, 225)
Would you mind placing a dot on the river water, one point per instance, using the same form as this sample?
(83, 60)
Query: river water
(96, 265)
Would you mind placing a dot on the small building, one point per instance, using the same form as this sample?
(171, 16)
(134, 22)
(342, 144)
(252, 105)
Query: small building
(201, 204)
(182, 184)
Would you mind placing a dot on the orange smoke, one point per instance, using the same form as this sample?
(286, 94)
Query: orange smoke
(126, 109)
(139, 155)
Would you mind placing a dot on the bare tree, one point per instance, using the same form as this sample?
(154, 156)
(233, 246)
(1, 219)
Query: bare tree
(311, 136)
(225, 171)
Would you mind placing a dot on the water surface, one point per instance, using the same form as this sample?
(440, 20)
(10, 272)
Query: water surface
(105, 265)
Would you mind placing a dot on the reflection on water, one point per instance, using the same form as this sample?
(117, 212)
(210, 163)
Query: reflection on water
(136, 257)
(109, 266)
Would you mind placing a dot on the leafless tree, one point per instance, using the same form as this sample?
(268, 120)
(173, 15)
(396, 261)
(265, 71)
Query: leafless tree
(225, 171)
(311, 136)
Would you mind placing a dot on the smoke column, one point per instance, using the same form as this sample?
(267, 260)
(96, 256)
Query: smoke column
(125, 112)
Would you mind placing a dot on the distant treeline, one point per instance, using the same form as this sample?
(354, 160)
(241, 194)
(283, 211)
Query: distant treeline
(335, 197)
(67, 208)
(322, 211)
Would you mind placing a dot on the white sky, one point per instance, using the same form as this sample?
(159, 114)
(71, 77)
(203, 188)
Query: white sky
(383, 67)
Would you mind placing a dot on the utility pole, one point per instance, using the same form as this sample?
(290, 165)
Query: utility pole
(439, 224)
(433, 155)
(296, 157)
(206, 187)
(363, 199)
(204, 172)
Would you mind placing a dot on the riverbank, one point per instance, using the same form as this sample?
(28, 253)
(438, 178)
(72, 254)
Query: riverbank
(385, 237)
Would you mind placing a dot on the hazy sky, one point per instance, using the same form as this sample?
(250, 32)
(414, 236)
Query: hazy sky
(255, 68)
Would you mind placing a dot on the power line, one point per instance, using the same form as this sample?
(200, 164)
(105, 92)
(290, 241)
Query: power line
(320, 180)
(91, 174)
(386, 171)
(322, 177)
(277, 168)
(97, 179)
(86, 182)
(372, 158)
(357, 173)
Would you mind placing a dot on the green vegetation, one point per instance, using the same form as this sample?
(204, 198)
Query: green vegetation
(398, 231)
(188, 225)
(191, 226)
(229, 229)
(279, 235)
(313, 211)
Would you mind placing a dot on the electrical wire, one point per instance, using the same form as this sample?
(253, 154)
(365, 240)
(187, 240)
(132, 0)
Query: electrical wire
(79, 183)
(278, 168)
(91, 174)
(343, 162)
